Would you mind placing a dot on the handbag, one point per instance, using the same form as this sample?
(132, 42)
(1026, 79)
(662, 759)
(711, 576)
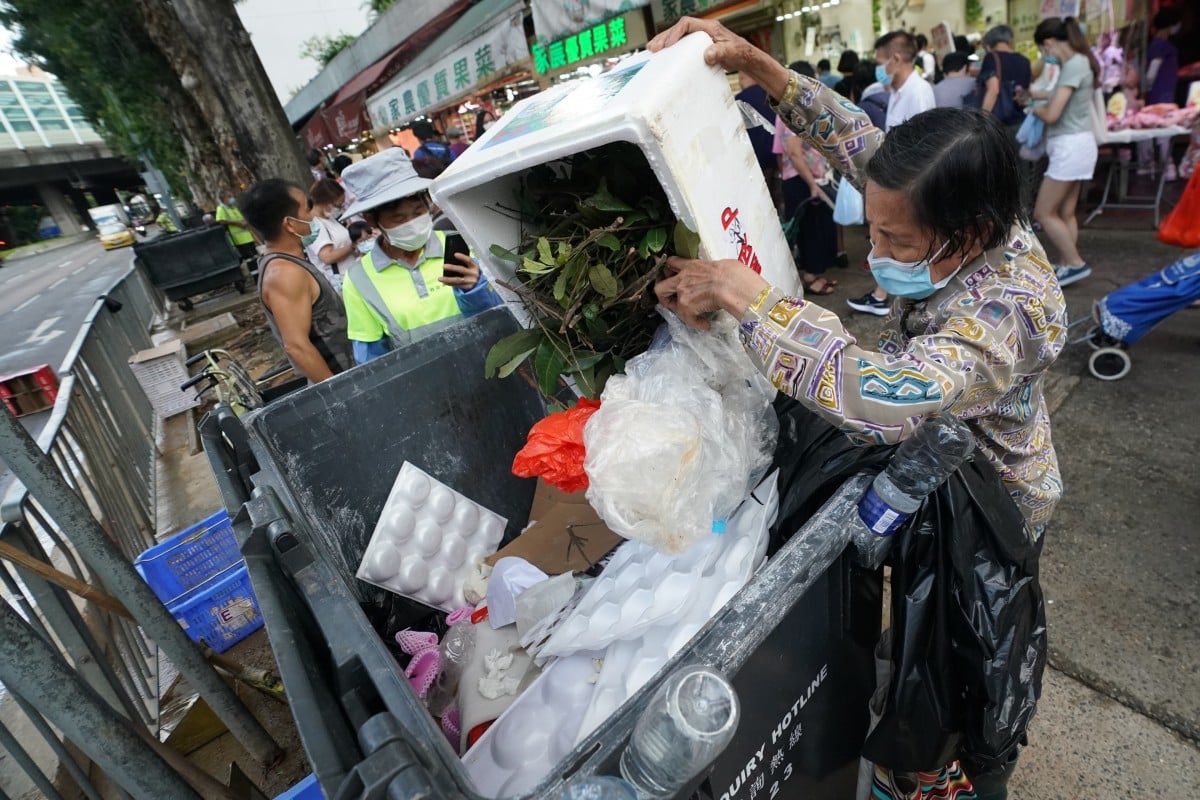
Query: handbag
(1005, 109)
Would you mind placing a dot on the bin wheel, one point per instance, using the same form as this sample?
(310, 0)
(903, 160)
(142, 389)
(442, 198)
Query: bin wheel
(1092, 337)
(240, 286)
(1110, 363)
(185, 305)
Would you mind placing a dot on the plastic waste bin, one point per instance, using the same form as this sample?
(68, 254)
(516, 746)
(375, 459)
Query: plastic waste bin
(304, 480)
(186, 264)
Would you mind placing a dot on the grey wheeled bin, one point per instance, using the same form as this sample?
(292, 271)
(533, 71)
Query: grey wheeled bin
(304, 480)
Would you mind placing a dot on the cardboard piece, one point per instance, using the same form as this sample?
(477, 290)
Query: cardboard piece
(566, 534)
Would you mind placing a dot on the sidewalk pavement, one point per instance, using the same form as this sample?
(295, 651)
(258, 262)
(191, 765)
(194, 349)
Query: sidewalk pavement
(1120, 712)
(46, 245)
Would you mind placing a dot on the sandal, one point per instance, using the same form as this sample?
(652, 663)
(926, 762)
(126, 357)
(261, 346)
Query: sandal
(827, 286)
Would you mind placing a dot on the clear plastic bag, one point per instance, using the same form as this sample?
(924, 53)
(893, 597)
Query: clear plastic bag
(681, 438)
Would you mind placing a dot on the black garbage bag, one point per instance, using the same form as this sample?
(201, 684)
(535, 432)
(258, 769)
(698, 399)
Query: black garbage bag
(968, 619)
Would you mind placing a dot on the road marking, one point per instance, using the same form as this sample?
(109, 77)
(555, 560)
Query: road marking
(58, 282)
(65, 264)
(93, 261)
(27, 302)
(77, 270)
(43, 334)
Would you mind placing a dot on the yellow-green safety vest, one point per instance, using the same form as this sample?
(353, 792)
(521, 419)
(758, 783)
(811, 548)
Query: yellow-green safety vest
(410, 303)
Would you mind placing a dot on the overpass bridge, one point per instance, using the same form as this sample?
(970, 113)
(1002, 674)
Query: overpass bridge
(51, 156)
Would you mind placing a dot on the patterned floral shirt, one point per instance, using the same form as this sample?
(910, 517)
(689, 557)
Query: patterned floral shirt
(977, 348)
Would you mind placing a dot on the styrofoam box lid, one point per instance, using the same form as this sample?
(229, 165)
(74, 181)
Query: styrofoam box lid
(678, 110)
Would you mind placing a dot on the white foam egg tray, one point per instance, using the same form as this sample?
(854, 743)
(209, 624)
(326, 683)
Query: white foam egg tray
(427, 539)
(578, 691)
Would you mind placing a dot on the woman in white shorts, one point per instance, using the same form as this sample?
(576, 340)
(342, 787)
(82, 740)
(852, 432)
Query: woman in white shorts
(1070, 141)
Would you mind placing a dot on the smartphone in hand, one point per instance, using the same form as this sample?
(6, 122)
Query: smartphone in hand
(455, 244)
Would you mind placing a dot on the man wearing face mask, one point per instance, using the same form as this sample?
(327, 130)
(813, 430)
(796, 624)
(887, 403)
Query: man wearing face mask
(403, 288)
(230, 216)
(895, 69)
(303, 310)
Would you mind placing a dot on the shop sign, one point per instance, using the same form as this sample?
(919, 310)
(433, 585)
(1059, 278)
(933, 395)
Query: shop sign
(667, 11)
(556, 19)
(616, 36)
(472, 64)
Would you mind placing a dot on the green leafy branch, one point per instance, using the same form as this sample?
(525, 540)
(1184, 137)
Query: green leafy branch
(588, 258)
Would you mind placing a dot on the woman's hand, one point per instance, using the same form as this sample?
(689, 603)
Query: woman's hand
(464, 275)
(729, 51)
(695, 289)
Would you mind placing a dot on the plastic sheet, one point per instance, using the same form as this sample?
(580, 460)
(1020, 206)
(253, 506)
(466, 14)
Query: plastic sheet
(681, 438)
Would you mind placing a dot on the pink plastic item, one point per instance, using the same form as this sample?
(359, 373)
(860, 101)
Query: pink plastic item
(413, 642)
(452, 726)
(458, 615)
(423, 670)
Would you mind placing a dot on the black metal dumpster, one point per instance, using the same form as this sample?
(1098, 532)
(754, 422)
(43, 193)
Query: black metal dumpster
(305, 479)
(183, 265)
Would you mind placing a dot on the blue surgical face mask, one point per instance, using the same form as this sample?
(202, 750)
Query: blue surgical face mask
(365, 246)
(1050, 59)
(881, 75)
(907, 279)
(314, 230)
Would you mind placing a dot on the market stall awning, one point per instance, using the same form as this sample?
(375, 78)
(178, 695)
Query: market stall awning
(315, 133)
(348, 119)
(486, 43)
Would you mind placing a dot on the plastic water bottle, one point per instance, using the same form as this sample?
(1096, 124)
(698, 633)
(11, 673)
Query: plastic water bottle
(919, 466)
(457, 647)
(689, 721)
(599, 787)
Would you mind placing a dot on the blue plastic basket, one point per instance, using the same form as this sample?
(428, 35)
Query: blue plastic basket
(220, 612)
(188, 559)
(307, 789)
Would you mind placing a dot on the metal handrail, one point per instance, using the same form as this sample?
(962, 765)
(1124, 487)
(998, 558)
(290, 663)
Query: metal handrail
(100, 441)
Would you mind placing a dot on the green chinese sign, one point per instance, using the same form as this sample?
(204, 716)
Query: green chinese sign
(614, 36)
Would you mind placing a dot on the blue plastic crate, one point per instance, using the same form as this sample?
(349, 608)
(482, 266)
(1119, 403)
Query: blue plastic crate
(307, 789)
(222, 611)
(188, 559)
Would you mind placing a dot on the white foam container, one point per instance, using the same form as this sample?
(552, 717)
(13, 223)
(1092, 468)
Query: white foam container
(678, 110)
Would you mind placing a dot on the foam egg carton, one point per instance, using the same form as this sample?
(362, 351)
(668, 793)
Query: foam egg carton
(642, 588)
(427, 540)
(576, 693)
(630, 663)
(537, 731)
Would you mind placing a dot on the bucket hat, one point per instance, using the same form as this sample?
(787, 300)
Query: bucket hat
(379, 179)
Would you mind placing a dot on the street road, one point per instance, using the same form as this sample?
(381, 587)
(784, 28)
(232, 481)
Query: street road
(44, 299)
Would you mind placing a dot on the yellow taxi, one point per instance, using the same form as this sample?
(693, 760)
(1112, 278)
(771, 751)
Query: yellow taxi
(114, 235)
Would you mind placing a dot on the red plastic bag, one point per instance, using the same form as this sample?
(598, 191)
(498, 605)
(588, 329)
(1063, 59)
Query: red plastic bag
(1182, 226)
(554, 449)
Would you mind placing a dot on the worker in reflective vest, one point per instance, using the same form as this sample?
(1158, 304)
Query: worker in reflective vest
(403, 288)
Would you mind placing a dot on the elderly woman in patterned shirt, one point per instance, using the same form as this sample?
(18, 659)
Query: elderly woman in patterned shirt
(978, 315)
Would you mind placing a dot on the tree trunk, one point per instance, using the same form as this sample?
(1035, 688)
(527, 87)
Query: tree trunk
(266, 143)
(204, 124)
(208, 170)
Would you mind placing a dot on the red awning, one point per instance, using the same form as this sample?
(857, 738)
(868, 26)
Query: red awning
(347, 120)
(315, 133)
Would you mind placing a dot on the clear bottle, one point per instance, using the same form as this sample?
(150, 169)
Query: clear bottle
(456, 647)
(687, 723)
(599, 787)
(919, 466)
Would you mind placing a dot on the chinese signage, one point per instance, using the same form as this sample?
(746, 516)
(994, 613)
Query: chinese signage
(469, 66)
(555, 19)
(617, 35)
(667, 11)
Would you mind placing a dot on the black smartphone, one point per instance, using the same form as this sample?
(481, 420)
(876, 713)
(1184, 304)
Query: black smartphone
(455, 244)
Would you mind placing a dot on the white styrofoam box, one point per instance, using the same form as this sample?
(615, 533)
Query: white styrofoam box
(576, 693)
(630, 663)
(427, 539)
(678, 110)
(642, 588)
(536, 732)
